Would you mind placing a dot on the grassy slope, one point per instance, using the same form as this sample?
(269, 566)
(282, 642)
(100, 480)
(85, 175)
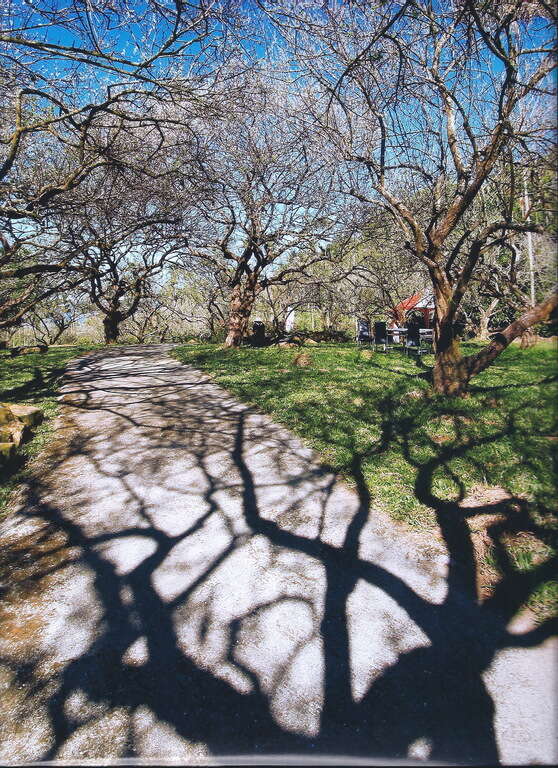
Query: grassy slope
(416, 450)
(32, 380)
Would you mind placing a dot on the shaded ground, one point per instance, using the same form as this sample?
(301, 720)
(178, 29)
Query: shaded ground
(31, 379)
(184, 580)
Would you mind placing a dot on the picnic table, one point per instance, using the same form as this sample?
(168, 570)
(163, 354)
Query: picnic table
(420, 342)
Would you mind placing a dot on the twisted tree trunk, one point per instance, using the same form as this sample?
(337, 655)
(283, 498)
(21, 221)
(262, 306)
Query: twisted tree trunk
(111, 325)
(538, 314)
(453, 372)
(241, 305)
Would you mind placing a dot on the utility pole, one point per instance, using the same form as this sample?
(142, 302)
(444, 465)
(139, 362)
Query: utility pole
(526, 203)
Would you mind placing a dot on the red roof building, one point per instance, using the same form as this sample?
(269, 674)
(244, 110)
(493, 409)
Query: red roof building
(415, 303)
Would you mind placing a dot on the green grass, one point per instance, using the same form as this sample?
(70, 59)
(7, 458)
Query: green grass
(418, 452)
(31, 380)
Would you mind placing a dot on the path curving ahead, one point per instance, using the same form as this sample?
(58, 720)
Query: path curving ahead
(209, 589)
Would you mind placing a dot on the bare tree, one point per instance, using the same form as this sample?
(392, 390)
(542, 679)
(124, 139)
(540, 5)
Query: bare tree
(86, 87)
(49, 319)
(64, 67)
(423, 105)
(180, 303)
(268, 198)
(125, 235)
(380, 271)
(520, 270)
(32, 271)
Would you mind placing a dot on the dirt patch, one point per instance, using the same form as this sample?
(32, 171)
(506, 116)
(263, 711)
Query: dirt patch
(27, 564)
(481, 496)
(488, 575)
(494, 536)
(302, 360)
(439, 439)
(414, 394)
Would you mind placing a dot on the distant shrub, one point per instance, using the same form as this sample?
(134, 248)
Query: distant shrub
(69, 337)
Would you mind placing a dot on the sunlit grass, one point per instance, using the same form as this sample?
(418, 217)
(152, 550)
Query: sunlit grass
(416, 449)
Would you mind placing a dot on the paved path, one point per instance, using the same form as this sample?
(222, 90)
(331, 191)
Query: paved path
(208, 589)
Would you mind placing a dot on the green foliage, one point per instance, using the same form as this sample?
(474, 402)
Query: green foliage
(419, 452)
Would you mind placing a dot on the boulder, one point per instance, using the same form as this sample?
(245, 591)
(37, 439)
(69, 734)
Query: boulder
(311, 341)
(15, 424)
(6, 451)
(286, 344)
(6, 415)
(29, 415)
(18, 432)
(14, 433)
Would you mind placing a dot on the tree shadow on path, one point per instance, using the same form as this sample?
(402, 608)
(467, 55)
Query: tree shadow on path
(433, 691)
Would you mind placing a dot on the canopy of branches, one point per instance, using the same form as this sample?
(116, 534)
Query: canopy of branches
(192, 163)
